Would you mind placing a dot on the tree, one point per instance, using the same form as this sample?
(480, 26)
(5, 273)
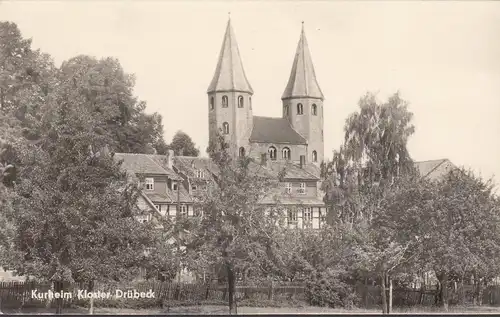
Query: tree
(183, 145)
(108, 92)
(457, 220)
(363, 173)
(74, 210)
(237, 230)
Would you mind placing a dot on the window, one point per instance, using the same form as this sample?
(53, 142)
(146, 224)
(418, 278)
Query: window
(314, 156)
(286, 153)
(150, 183)
(158, 207)
(212, 103)
(300, 108)
(242, 152)
(307, 214)
(272, 153)
(240, 102)
(193, 188)
(288, 188)
(199, 174)
(175, 186)
(314, 109)
(250, 102)
(183, 211)
(292, 217)
(285, 110)
(302, 188)
(225, 128)
(224, 102)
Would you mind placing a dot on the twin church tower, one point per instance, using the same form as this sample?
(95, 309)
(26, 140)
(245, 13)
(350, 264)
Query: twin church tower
(296, 137)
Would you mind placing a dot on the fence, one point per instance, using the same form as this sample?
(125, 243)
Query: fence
(25, 294)
(20, 294)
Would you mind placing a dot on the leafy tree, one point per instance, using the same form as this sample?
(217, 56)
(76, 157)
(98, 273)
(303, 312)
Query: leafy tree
(183, 145)
(73, 214)
(363, 173)
(457, 220)
(108, 92)
(237, 230)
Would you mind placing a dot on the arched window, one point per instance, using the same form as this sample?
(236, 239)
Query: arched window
(242, 152)
(225, 128)
(300, 108)
(285, 110)
(314, 110)
(286, 153)
(224, 102)
(212, 103)
(240, 102)
(250, 102)
(314, 156)
(272, 153)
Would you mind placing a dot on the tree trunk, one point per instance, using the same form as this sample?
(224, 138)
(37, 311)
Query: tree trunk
(231, 285)
(91, 289)
(480, 291)
(58, 287)
(383, 294)
(389, 308)
(444, 290)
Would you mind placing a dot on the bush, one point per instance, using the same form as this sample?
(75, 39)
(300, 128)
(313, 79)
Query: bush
(329, 288)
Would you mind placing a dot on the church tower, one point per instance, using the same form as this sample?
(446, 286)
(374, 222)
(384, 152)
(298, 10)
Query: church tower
(230, 98)
(303, 102)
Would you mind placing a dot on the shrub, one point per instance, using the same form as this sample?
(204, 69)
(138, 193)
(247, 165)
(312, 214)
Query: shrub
(329, 288)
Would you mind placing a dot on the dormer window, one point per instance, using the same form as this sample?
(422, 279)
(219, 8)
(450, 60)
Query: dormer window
(288, 188)
(225, 102)
(286, 153)
(194, 188)
(149, 183)
(212, 103)
(240, 102)
(175, 185)
(314, 110)
(272, 153)
(300, 109)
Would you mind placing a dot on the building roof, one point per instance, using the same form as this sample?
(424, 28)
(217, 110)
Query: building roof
(188, 165)
(274, 130)
(434, 169)
(293, 171)
(302, 82)
(145, 164)
(229, 74)
(170, 196)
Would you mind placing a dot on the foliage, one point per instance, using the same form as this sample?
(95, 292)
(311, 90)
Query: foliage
(329, 288)
(74, 209)
(183, 145)
(237, 230)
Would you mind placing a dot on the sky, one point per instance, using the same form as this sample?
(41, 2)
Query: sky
(443, 57)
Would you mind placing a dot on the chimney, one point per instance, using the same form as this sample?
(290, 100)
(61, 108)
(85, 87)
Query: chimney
(170, 157)
(263, 159)
(302, 161)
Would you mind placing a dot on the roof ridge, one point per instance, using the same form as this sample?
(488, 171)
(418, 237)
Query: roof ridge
(443, 159)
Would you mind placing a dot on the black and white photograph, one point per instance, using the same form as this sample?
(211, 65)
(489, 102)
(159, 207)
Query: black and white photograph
(249, 157)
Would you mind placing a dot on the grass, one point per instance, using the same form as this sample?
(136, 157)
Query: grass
(215, 310)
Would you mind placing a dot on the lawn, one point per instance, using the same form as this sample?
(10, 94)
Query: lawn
(215, 310)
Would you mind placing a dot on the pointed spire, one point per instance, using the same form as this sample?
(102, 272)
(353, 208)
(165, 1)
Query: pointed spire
(302, 82)
(229, 74)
